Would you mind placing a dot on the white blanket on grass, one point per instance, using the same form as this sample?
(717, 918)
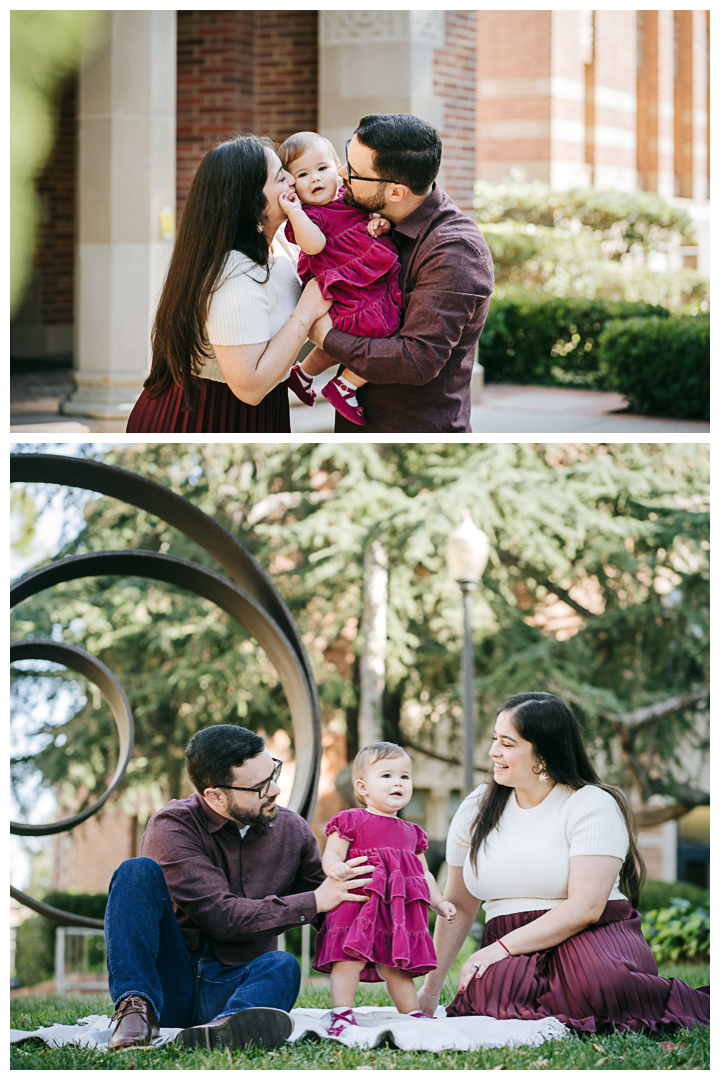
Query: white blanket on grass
(375, 1026)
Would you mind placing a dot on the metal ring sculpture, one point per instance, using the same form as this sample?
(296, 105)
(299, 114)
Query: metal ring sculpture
(253, 601)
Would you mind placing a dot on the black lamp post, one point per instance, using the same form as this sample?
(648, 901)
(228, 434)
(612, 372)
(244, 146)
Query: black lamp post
(466, 554)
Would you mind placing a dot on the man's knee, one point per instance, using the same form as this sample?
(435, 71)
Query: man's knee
(282, 963)
(137, 873)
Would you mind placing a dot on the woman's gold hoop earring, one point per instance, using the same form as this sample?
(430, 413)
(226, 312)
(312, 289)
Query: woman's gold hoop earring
(541, 773)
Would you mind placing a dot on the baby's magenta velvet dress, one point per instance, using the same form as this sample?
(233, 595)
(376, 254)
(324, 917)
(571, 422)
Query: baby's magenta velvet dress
(391, 927)
(358, 273)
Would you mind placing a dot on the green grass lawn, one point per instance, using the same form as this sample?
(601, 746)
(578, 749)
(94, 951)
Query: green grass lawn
(616, 1051)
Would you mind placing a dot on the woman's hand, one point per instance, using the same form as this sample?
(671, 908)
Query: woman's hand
(446, 910)
(476, 965)
(313, 302)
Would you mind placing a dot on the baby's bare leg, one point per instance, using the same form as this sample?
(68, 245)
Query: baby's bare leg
(344, 979)
(401, 988)
(316, 362)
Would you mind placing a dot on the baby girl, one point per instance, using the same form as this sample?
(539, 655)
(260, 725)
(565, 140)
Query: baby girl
(356, 266)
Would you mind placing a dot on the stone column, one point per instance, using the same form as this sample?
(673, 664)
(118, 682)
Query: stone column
(420, 62)
(125, 184)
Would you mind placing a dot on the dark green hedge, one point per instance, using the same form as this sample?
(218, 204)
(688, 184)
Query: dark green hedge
(551, 341)
(662, 366)
(658, 894)
(35, 940)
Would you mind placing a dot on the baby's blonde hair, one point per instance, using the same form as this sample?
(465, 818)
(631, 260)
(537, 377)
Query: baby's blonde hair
(298, 143)
(368, 756)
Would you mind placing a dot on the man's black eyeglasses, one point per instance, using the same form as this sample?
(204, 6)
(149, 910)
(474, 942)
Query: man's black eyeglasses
(354, 176)
(261, 789)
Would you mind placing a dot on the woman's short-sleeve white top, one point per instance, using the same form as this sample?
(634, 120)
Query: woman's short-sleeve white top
(246, 309)
(525, 863)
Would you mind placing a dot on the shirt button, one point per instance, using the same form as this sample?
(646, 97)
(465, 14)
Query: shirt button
(302, 918)
(246, 879)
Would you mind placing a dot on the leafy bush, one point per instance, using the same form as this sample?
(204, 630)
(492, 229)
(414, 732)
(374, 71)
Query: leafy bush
(657, 894)
(34, 951)
(35, 940)
(550, 261)
(621, 220)
(551, 341)
(587, 243)
(679, 932)
(661, 365)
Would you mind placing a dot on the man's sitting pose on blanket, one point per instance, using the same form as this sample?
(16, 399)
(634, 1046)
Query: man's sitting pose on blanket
(192, 926)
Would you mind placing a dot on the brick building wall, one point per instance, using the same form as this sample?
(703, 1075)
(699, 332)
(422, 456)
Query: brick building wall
(55, 251)
(691, 104)
(215, 85)
(454, 84)
(615, 99)
(286, 72)
(571, 48)
(242, 71)
(513, 115)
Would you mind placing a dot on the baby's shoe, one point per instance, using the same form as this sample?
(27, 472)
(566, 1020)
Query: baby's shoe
(301, 384)
(341, 1018)
(341, 396)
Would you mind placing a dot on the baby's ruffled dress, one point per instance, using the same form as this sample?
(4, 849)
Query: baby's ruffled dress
(391, 927)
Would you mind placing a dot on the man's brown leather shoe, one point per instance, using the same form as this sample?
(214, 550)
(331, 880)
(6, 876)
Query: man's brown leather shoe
(136, 1024)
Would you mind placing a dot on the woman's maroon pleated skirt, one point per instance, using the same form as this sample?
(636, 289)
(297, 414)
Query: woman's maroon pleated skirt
(215, 409)
(602, 979)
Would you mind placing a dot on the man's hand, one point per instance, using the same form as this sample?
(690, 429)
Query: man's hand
(288, 201)
(333, 892)
(446, 910)
(378, 226)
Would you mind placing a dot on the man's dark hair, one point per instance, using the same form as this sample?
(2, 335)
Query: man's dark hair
(213, 753)
(406, 148)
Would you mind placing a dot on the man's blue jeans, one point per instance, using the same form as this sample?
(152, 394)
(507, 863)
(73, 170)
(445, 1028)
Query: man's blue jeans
(147, 955)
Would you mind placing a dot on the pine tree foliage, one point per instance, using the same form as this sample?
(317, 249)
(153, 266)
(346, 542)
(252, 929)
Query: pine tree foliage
(596, 589)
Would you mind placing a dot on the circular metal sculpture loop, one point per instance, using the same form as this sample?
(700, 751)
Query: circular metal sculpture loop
(85, 664)
(253, 601)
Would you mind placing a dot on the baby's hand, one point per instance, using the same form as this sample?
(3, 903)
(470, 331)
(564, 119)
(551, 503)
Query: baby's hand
(378, 226)
(446, 910)
(340, 871)
(288, 201)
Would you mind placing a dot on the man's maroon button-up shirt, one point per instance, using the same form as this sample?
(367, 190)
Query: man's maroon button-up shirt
(239, 893)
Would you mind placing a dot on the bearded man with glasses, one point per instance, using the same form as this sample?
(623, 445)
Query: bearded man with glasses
(192, 925)
(419, 378)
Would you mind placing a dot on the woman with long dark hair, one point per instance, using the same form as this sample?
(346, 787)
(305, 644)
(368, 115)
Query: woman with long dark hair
(231, 318)
(553, 853)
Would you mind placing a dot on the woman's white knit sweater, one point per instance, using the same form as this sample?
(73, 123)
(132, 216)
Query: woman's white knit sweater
(524, 864)
(247, 309)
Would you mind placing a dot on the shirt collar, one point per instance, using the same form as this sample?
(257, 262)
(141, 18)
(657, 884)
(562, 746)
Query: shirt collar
(214, 820)
(413, 224)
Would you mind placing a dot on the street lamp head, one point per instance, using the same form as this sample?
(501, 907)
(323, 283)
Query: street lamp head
(466, 551)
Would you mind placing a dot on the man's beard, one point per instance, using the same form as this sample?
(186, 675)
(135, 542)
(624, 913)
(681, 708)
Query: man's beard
(243, 817)
(375, 205)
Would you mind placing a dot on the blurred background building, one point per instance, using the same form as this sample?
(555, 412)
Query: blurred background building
(614, 99)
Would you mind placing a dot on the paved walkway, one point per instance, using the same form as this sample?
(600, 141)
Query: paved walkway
(504, 410)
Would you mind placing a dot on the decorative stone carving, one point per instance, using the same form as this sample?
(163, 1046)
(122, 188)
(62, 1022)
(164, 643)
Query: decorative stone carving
(363, 27)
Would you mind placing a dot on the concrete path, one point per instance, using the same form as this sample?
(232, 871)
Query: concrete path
(504, 410)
